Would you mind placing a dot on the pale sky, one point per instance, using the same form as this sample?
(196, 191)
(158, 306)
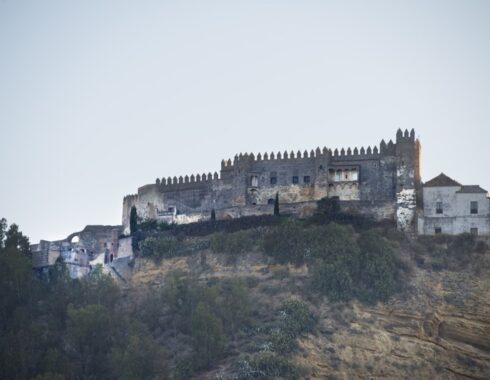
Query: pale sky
(100, 97)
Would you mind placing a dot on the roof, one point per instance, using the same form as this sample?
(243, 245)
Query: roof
(441, 180)
(472, 189)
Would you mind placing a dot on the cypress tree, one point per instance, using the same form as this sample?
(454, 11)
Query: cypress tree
(213, 214)
(133, 220)
(276, 205)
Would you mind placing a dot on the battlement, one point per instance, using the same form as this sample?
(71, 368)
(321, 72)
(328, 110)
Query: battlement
(384, 149)
(182, 180)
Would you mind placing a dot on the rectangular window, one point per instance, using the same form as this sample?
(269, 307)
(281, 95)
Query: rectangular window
(306, 179)
(295, 179)
(474, 207)
(438, 230)
(438, 207)
(474, 231)
(273, 180)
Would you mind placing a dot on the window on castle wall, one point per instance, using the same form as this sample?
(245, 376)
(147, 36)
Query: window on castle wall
(354, 175)
(270, 201)
(438, 230)
(338, 175)
(273, 180)
(295, 179)
(438, 207)
(346, 175)
(474, 207)
(254, 181)
(306, 179)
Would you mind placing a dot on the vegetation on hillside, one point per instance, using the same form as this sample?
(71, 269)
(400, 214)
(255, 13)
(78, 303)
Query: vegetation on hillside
(89, 328)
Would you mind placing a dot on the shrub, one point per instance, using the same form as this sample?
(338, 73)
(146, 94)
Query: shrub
(296, 317)
(207, 335)
(286, 242)
(367, 269)
(232, 243)
(270, 365)
(334, 280)
(329, 206)
(159, 248)
(379, 275)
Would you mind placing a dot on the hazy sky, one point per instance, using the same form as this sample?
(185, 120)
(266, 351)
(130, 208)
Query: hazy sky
(99, 97)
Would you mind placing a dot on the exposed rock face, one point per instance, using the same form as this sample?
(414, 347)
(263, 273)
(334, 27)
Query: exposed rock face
(440, 331)
(439, 328)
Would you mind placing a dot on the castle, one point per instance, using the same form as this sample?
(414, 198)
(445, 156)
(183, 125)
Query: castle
(382, 182)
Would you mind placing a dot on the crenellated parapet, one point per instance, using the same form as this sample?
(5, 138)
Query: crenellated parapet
(196, 179)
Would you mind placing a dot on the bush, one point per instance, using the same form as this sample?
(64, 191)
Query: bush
(333, 279)
(159, 248)
(286, 242)
(367, 269)
(207, 335)
(233, 243)
(378, 278)
(270, 365)
(294, 319)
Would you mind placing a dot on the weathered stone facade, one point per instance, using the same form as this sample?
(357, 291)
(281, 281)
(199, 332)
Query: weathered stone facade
(381, 181)
(81, 250)
(451, 208)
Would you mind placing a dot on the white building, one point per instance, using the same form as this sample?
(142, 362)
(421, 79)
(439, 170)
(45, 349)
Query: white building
(451, 208)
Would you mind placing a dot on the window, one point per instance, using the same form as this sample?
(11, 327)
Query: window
(254, 181)
(354, 175)
(474, 231)
(474, 207)
(306, 179)
(273, 178)
(270, 201)
(438, 230)
(295, 179)
(438, 207)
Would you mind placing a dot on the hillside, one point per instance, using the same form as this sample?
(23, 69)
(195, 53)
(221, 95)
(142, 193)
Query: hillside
(256, 299)
(436, 325)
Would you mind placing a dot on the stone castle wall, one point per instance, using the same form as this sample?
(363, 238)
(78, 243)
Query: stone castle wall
(387, 176)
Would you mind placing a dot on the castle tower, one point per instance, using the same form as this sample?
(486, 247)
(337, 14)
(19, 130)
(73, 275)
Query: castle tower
(407, 178)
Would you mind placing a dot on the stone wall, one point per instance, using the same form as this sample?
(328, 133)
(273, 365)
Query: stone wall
(387, 174)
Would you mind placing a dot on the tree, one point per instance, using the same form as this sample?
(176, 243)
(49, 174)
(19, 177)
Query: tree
(133, 220)
(14, 239)
(208, 337)
(141, 358)
(276, 205)
(90, 334)
(213, 214)
(329, 206)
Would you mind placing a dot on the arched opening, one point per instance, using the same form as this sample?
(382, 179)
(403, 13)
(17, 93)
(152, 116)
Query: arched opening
(75, 239)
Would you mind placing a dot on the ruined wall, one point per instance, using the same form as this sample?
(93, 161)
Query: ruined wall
(78, 249)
